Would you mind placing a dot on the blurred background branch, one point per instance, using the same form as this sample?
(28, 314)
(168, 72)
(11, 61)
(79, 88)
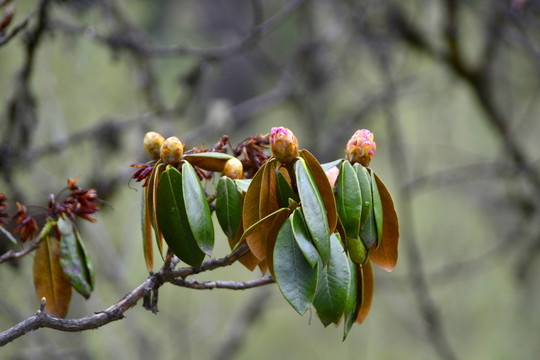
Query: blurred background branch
(450, 88)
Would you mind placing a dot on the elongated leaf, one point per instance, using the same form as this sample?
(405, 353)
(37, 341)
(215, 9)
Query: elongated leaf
(296, 279)
(74, 259)
(324, 187)
(197, 209)
(211, 161)
(271, 237)
(268, 202)
(368, 234)
(228, 206)
(242, 184)
(350, 313)
(150, 195)
(357, 250)
(349, 199)
(367, 291)
(386, 255)
(364, 179)
(284, 189)
(377, 208)
(49, 279)
(327, 166)
(146, 223)
(254, 237)
(250, 214)
(303, 238)
(248, 259)
(172, 218)
(313, 209)
(333, 287)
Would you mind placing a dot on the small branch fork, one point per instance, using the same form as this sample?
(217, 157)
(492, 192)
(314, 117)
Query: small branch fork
(147, 290)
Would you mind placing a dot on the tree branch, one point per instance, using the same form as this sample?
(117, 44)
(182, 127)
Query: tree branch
(116, 311)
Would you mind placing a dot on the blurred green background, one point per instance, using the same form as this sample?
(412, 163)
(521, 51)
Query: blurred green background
(449, 88)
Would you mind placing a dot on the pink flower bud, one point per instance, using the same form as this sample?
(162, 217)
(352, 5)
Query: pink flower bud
(233, 169)
(284, 144)
(361, 147)
(152, 144)
(172, 150)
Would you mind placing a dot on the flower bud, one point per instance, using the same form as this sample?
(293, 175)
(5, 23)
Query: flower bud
(233, 169)
(172, 150)
(152, 144)
(361, 147)
(284, 144)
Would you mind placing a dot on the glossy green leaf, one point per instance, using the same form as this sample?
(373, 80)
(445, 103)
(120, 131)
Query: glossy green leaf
(284, 190)
(228, 206)
(324, 187)
(74, 259)
(368, 234)
(349, 199)
(197, 209)
(172, 218)
(377, 208)
(242, 184)
(303, 238)
(327, 166)
(357, 250)
(350, 313)
(333, 287)
(296, 279)
(313, 210)
(364, 179)
(211, 161)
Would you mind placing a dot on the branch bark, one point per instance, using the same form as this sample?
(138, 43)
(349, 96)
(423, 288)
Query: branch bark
(145, 290)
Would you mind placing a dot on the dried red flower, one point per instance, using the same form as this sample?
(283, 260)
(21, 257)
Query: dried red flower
(27, 226)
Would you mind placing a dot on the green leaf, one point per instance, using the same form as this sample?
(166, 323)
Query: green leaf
(228, 206)
(364, 179)
(296, 279)
(368, 234)
(74, 259)
(349, 199)
(242, 184)
(333, 287)
(284, 190)
(211, 161)
(350, 312)
(172, 218)
(313, 209)
(303, 238)
(357, 250)
(327, 166)
(377, 208)
(197, 209)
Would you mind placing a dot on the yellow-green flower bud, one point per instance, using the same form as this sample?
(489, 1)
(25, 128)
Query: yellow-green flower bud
(152, 144)
(361, 147)
(233, 169)
(284, 144)
(172, 150)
